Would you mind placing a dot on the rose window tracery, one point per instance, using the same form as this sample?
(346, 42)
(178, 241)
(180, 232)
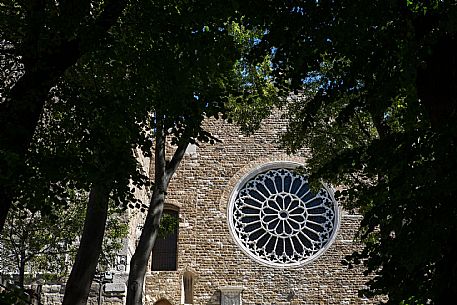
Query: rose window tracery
(276, 219)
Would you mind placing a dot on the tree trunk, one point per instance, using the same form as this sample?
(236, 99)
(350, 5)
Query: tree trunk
(21, 270)
(20, 114)
(163, 174)
(139, 261)
(83, 271)
(5, 205)
(18, 119)
(446, 283)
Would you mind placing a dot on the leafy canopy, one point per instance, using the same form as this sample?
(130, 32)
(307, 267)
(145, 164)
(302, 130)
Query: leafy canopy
(376, 102)
(44, 245)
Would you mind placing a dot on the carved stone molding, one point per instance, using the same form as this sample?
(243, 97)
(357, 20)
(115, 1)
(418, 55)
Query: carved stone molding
(231, 295)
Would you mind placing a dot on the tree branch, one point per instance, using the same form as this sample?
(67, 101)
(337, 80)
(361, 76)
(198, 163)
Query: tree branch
(34, 16)
(73, 12)
(175, 160)
(107, 18)
(160, 163)
(361, 127)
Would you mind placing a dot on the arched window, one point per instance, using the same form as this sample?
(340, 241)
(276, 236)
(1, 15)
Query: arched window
(276, 219)
(164, 253)
(188, 279)
(162, 302)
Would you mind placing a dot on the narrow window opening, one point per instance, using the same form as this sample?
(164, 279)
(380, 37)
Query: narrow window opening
(188, 287)
(164, 253)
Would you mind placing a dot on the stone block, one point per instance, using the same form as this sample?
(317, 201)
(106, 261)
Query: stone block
(115, 288)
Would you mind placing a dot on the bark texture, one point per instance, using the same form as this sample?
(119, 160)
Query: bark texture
(83, 271)
(163, 174)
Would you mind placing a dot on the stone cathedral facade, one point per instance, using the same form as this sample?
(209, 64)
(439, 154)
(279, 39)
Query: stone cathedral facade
(250, 230)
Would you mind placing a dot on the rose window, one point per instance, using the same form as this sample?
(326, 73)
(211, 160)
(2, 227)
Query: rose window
(275, 218)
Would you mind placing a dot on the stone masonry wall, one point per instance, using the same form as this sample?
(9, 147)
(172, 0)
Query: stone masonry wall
(201, 190)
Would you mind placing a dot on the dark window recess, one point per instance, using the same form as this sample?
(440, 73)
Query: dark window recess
(164, 253)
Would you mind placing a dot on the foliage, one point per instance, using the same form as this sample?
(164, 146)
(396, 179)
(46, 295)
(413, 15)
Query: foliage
(168, 224)
(13, 295)
(192, 67)
(259, 95)
(33, 243)
(93, 89)
(53, 115)
(191, 63)
(115, 233)
(40, 40)
(377, 106)
(45, 245)
(91, 126)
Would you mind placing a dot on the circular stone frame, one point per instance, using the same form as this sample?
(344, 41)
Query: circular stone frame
(262, 216)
